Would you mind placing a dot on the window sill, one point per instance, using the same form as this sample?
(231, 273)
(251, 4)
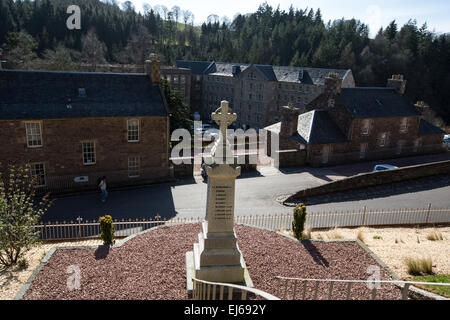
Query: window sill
(34, 147)
(89, 164)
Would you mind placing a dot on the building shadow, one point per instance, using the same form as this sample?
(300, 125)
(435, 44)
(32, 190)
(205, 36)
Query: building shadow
(315, 253)
(292, 170)
(382, 191)
(321, 173)
(249, 174)
(140, 203)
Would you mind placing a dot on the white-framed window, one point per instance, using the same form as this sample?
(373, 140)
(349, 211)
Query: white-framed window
(400, 145)
(133, 130)
(89, 157)
(34, 134)
(404, 125)
(417, 144)
(365, 127)
(134, 166)
(37, 173)
(362, 150)
(382, 141)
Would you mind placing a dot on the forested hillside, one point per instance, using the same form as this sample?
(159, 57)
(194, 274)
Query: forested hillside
(268, 36)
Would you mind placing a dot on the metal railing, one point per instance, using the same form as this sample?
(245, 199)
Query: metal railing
(206, 290)
(83, 229)
(285, 286)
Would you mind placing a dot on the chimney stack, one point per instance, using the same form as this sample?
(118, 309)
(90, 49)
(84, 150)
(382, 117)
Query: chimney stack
(236, 70)
(421, 107)
(397, 83)
(289, 120)
(333, 84)
(153, 68)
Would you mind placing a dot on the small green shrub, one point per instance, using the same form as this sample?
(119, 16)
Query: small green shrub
(298, 224)
(22, 263)
(107, 230)
(377, 237)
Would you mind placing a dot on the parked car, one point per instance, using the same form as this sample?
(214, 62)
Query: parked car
(381, 167)
(447, 140)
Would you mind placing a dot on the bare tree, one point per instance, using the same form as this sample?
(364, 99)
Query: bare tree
(176, 12)
(212, 18)
(164, 11)
(226, 20)
(186, 16)
(158, 10)
(138, 47)
(93, 50)
(147, 8)
(128, 6)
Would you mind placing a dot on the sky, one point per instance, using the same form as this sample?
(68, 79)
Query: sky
(373, 13)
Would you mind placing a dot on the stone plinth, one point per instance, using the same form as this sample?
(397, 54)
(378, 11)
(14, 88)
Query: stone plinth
(216, 257)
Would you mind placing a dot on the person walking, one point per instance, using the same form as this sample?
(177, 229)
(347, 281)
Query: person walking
(102, 187)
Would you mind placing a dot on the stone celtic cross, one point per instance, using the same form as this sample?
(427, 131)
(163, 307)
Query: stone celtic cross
(223, 118)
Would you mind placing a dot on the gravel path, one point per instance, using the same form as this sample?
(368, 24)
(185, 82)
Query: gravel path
(152, 266)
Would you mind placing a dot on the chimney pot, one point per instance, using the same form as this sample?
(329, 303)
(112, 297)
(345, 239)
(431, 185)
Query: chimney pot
(398, 83)
(289, 120)
(421, 106)
(333, 84)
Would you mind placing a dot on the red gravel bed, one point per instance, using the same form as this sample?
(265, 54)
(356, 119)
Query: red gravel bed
(152, 266)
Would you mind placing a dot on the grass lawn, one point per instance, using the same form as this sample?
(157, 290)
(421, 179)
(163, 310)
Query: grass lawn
(441, 290)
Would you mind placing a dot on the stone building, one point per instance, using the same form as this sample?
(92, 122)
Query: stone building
(353, 124)
(255, 92)
(180, 81)
(72, 128)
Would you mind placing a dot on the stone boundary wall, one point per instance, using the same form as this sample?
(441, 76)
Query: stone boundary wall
(291, 158)
(375, 178)
(183, 170)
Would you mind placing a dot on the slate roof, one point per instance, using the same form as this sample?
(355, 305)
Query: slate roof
(426, 128)
(314, 127)
(314, 76)
(44, 95)
(272, 73)
(376, 103)
(197, 67)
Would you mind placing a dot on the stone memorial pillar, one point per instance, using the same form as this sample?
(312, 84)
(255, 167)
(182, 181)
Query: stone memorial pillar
(216, 257)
